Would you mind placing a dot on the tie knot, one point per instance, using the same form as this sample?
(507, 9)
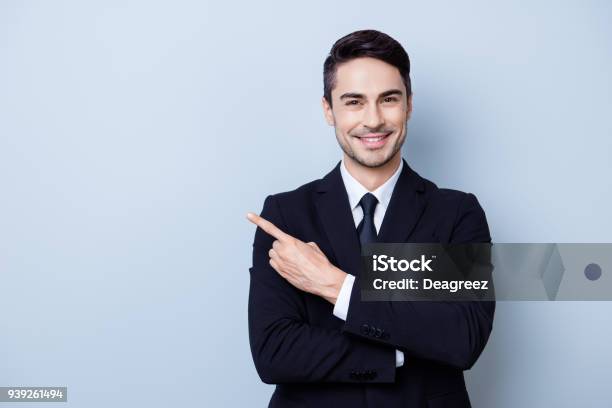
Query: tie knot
(368, 203)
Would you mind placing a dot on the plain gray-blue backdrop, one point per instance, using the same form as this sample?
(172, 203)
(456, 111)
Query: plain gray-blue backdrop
(134, 137)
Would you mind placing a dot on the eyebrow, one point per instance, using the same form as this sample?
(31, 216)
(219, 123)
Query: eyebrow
(362, 96)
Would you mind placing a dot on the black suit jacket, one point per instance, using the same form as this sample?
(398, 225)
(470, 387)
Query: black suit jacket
(319, 360)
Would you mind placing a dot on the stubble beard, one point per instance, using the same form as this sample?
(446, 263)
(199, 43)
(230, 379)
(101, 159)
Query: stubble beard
(346, 148)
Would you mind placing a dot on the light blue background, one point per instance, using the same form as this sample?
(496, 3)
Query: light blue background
(134, 137)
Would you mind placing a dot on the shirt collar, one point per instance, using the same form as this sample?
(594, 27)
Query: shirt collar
(356, 190)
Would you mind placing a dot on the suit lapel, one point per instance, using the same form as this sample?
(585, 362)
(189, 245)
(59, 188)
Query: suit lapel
(336, 216)
(405, 208)
(331, 201)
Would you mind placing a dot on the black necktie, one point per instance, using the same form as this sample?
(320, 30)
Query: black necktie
(366, 228)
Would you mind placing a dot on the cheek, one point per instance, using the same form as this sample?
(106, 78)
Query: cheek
(397, 117)
(347, 122)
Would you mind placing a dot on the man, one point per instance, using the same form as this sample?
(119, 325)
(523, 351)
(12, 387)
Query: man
(309, 331)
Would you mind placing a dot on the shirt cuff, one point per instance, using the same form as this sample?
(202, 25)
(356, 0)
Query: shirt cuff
(399, 358)
(344, 297)
(342, 305)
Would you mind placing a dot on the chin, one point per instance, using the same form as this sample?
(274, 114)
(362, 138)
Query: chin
(373, 161)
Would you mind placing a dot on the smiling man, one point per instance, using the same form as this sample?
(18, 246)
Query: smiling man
(310, 333)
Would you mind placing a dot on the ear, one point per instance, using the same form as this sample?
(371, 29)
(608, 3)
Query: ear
(327, 111)
(409, 107)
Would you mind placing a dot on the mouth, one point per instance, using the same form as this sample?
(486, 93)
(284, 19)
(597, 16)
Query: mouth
(374, 140)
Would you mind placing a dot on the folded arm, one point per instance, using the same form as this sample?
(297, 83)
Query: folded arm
(285, 347)
(453, 333)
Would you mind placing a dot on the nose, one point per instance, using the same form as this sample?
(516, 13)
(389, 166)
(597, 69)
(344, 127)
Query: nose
(372, 117)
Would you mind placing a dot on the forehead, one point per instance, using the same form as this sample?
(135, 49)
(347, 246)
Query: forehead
(368, 76)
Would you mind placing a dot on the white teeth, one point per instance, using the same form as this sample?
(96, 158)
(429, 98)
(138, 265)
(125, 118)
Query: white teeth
(373, 139)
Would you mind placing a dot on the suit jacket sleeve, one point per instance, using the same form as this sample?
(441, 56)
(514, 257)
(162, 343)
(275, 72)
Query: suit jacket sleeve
(285, 347)
(452, 333)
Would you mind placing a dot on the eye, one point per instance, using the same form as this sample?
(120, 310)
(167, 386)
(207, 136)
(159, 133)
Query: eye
(352, 102)
(390, 99)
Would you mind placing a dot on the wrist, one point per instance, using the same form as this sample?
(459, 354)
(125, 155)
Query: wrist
(331, 291)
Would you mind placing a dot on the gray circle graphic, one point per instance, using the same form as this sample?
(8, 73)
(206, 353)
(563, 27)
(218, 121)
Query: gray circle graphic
(592, 271)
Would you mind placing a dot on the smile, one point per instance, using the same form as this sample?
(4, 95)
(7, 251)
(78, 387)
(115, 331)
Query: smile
(374, 141)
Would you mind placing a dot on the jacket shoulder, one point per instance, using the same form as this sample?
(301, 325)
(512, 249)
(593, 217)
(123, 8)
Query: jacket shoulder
(447, 197)
(457, 215)
(297, 196)
(289, 207)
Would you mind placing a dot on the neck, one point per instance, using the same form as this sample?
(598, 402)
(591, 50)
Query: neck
(372, 178)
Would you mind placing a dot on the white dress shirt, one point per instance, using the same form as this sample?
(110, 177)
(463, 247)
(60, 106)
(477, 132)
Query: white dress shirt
(355, 191)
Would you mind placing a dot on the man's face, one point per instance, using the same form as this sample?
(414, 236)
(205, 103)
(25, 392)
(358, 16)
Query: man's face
(370, 110)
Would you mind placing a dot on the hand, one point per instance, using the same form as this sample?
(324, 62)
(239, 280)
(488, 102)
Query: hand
(302, 264)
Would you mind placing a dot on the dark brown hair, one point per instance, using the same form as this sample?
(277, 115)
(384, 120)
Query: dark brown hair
(365, 43)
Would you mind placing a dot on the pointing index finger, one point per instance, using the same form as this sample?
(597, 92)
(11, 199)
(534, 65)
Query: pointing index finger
(268, 227)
